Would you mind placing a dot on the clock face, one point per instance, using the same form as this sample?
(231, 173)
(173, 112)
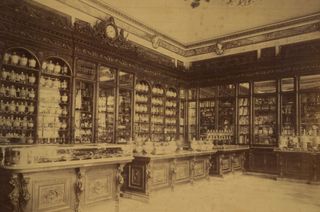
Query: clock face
(111, 32)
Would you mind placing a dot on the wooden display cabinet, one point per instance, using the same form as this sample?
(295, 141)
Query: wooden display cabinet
(19, 96)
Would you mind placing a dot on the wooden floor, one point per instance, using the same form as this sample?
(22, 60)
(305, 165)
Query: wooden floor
(235, 193)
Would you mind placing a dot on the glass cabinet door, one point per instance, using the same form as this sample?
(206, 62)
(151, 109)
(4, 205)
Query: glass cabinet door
(226, 108)
(157, 111)
(207, 111)
(84, 111)
(244, 114)
(106, 105)
(192, 120)
(265, 113)
(142, 111)
(288, 107)
(124, 129)
(171, 112)
(182, 114)
(310, 105)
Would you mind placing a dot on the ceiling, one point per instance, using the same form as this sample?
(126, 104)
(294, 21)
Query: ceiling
(177, 20)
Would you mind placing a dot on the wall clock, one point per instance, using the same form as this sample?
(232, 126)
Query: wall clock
(111, 31)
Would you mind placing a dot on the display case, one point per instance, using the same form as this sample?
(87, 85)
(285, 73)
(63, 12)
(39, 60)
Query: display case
(106, 105)
(226, 109)
(288, 107)
(310, 105)
(157, 113)
(55, 99)
(244, 113)
(192, 114)
(207, 111)
(265, 113)
(84, 105)
(142, 110)
(19, 96)
(182, 115)
(124, 125)
(171, 114)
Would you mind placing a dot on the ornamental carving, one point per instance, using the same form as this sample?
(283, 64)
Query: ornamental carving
(14, 195)
(51, 195)
(79, 188)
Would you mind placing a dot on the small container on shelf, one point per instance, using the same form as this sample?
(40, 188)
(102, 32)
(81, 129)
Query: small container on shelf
(23, 60)
(15, 58)
(6, 58)
(32, 63)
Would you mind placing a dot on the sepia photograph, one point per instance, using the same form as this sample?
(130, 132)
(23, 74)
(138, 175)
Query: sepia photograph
(159, 105)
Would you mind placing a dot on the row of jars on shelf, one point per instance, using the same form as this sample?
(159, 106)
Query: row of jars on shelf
(48, 82)
(244, 120)
(142, 87)
(84, 136)
(171, 121)
(141, 108)
(53, 140)
(157, 119)
(141, 98)
(16, 122)
(157, 91)
(243, 111)
(19, 59)
(16, 107)
(244, 129)
(171, 94)
(171, 104)
(287, 130)
(263, 130)
(243, 102)
(170, 112)
(14, 92)
(265, 101)
(53, 110)
(219, 135)
(52, 123)
(268, 119)
(49, 67)
(157, 101)
(18, 77)
(141, 118)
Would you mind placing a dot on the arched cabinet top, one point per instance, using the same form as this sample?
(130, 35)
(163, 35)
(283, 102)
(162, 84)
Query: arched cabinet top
(19, 56)
(56, 65)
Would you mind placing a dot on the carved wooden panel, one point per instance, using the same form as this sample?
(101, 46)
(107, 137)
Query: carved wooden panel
(99, 185)
(199, 168)
(160, 174)
(298, 166)
(86, 69)
(182, 171)
(236, 163)
(137, 177)
(225, 164)
(52, 191)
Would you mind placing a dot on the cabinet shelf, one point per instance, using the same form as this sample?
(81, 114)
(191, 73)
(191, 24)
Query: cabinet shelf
(19, 84)
(10, 98)
(54, 75)
(18, 67)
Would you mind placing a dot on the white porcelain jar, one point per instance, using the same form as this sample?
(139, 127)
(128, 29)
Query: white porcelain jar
(15, 58)
(23, 60)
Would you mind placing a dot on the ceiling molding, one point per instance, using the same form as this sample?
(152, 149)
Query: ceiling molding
(292, 27)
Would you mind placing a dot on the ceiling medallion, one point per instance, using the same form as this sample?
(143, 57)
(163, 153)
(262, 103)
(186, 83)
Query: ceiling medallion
(196, 3)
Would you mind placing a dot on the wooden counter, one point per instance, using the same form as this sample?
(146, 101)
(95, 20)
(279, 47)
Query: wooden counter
(62, 186)
(228, 159)
(151, 172)
(298, 165)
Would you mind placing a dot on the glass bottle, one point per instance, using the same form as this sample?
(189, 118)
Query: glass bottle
(12, 76)
(32, 94)
(50, 67)
(57, 68)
